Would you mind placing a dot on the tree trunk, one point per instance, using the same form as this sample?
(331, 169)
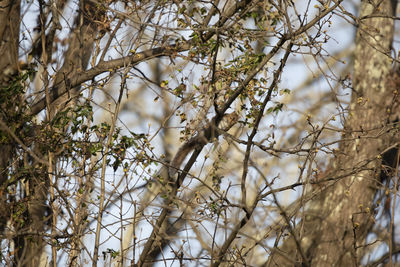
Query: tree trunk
(336, 222)
(29, 227)
(9, 37)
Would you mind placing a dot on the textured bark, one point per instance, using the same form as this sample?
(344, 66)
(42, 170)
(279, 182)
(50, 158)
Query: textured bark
(79, 51)
(29, 240)
(9, 33)
(9, 37)
(335, 224)
(27, 243)
(9, 40)
(76, 60)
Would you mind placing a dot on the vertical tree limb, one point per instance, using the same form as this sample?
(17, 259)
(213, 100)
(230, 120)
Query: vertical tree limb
(337, 222)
